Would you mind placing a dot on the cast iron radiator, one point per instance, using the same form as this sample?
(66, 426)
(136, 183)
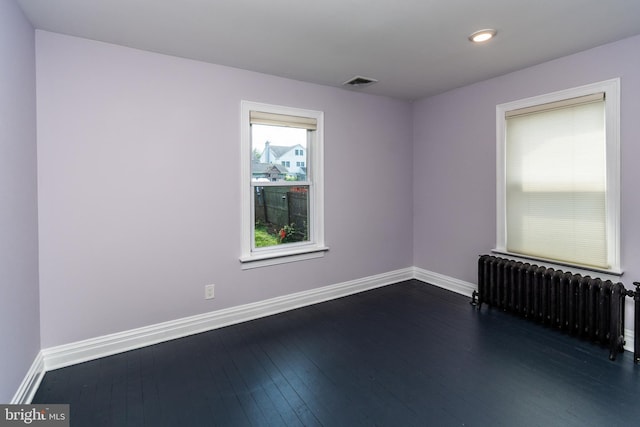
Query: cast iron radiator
(589, 308)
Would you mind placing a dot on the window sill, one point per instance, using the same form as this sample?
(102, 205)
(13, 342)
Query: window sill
(614, 273)
(282, 257)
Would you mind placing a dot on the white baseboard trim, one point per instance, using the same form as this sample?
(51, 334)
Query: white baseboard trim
(94, 348)
(445, 282)
(31, 382)
(629, 340)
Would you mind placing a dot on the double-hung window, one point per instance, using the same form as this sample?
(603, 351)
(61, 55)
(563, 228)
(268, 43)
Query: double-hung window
(282, 205)
(558, 177)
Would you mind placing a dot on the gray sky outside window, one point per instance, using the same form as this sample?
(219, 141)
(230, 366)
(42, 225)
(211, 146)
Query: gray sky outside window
(276, 135)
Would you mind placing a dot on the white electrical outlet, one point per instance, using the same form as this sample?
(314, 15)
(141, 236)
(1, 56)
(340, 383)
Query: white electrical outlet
(209, 291)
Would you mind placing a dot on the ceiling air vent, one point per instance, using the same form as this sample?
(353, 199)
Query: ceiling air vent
(359, 81)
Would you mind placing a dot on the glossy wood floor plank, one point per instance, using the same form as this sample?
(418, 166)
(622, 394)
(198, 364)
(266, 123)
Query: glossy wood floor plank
(409, 354)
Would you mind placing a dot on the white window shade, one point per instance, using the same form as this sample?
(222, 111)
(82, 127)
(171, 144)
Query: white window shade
(556, 181)
(273, 119)
(549, 106)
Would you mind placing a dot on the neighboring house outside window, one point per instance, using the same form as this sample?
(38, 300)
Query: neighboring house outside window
(282, 197)
(286, 156)
(270, 172)
(559, 177)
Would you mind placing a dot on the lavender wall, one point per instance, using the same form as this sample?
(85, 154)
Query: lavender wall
(139, 195)
(454, 157)
(19, 318)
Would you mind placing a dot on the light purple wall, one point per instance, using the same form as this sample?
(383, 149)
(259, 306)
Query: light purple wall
(19, 318)
(455, 157)
(139, 200)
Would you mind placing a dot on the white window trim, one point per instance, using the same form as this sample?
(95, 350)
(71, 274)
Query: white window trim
(611, 88)
(274, 255)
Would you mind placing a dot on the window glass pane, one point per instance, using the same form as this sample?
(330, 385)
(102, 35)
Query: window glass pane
(278, 153)
(281, 215)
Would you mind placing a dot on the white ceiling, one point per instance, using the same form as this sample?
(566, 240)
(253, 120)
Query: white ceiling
(415, 48)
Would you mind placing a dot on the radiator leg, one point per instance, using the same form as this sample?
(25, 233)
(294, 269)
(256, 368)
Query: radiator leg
(474, 302)
(618, 347)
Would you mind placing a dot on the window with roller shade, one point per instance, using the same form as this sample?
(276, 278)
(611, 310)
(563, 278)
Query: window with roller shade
(558, 177)
(282, 184)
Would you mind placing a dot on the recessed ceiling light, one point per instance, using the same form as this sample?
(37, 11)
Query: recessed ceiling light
(482, 35)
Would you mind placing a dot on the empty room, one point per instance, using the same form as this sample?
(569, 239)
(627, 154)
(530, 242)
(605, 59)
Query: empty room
(337, 213)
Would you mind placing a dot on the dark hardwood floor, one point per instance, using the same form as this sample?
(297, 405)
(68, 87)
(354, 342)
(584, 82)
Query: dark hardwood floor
(404, 355)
